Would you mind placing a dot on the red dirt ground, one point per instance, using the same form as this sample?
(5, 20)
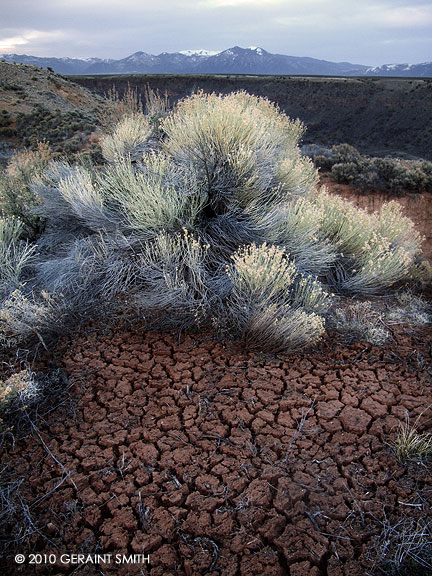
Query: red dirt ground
(215, 461)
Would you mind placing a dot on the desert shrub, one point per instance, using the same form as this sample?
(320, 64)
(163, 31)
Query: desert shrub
(15, 254)
(87, 275)
(16, 195)
(295, 226)
(359, 321)
(345, 172)
(421, 275)
(375, 250)
(84, 200)
(58, 128)
(271, 304)
(173, 279)
(155, 196)
(16, 391)
(345, 153)
(24, 319)
(346, 165)
(220, 221)
(403, 175)
(128, 138)
(409, 309)
(240, 146)
(323, 161)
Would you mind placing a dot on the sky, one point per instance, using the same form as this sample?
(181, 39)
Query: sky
(371, 32)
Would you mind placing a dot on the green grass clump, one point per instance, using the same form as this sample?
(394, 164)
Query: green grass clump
(411, 444)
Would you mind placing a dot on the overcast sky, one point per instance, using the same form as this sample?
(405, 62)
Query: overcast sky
(359, 31)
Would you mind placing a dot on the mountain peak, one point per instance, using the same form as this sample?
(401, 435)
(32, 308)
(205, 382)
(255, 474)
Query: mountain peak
(236, 60)
(258, 50)
(199, 52)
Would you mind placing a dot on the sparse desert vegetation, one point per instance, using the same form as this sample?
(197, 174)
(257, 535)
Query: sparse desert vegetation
(245, 347)
(345, 164)
(39, 105)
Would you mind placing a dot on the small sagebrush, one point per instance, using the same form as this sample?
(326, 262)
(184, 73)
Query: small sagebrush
(359, 321)
(409, 309)
(16, 391)
(127, 139)
(24, 319)
(17, 198)
(272, 305)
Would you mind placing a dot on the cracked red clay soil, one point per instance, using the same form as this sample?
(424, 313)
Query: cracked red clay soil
(215, 461)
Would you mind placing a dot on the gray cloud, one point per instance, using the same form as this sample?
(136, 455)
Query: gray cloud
(371, 32)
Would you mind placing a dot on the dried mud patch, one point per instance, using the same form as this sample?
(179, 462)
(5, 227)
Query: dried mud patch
(213, 461)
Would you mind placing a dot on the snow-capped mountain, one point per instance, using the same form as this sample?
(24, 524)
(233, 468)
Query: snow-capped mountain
(418, 70)
(198, 52)
(59, 65)
(235, 60)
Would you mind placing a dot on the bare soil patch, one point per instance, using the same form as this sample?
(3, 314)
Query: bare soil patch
(215, 461)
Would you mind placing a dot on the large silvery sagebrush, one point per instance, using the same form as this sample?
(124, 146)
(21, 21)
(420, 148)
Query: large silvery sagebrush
(222, 220)
(242, 148)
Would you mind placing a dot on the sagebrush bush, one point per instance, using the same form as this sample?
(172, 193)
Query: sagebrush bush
(23, 319)
(174, 279)
(346, 165)
(295, 225)
(219, 220)
(155, 196)
(17, 199)
(241, 147)
(15, 254)
(271, 302)
(15, 392)
(128, 137)
(409, 309)
(375, 250)
(359, 321)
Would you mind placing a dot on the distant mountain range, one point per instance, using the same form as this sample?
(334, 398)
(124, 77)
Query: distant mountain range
(236, 60)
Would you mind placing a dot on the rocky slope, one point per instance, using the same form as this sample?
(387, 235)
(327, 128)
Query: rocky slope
(37, 104)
